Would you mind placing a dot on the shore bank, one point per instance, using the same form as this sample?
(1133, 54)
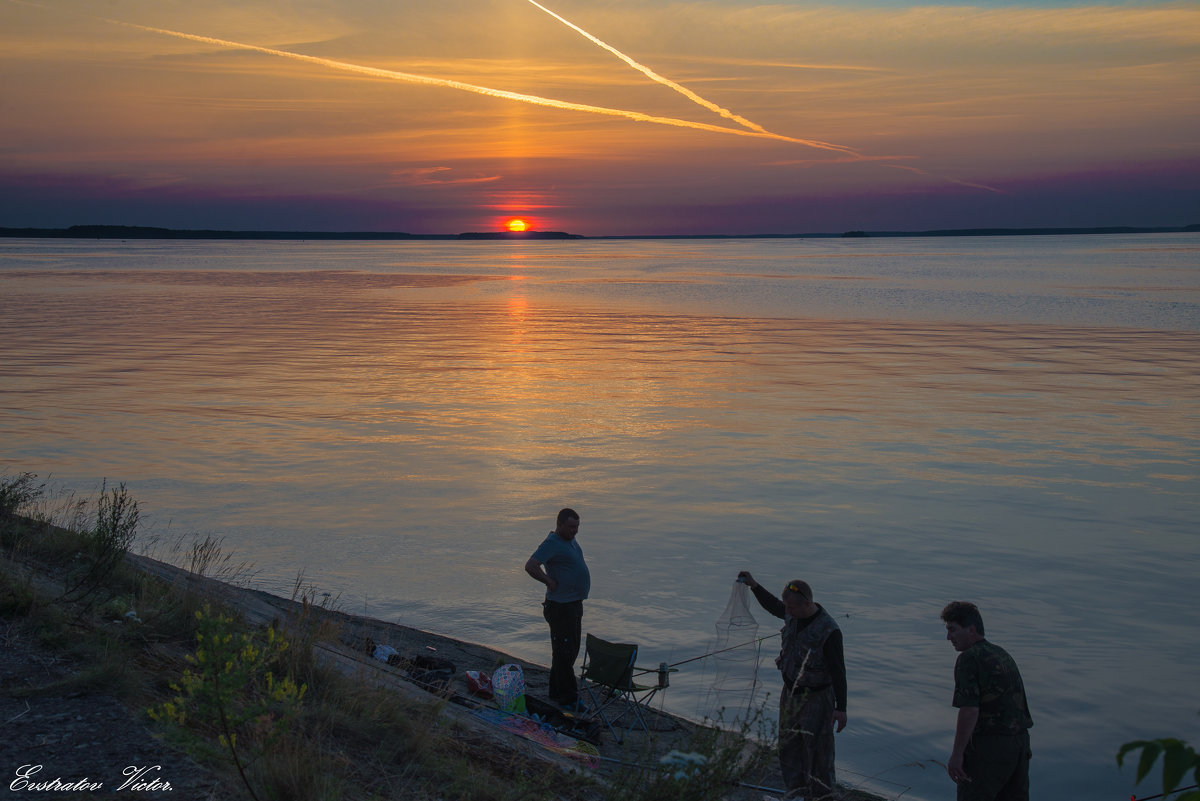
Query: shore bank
(95, 734)
(349, 651)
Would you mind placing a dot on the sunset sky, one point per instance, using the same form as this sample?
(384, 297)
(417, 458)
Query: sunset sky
(723, 116)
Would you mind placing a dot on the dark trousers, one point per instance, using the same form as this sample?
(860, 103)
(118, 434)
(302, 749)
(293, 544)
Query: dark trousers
(998, 765)
(806, 742)
(566, 626)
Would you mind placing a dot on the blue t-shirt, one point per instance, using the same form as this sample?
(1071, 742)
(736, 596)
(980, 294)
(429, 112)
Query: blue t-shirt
(563, 561)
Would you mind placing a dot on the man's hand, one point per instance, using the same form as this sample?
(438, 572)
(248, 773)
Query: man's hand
(534, 568)
(839, 717)
(968, 716)
(747, 579)
(955, 769)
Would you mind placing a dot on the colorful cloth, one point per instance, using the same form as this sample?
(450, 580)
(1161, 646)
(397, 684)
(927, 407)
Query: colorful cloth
(543, 734)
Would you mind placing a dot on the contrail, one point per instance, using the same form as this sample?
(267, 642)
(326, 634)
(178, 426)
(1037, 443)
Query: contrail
(654, 76)
(426, 80)
(968, 184)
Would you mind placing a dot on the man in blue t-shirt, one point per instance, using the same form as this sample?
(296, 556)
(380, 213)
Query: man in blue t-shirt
(558, 563)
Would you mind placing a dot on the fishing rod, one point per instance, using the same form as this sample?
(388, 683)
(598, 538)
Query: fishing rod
(723, 650)
(1133, 796)
(662, 669)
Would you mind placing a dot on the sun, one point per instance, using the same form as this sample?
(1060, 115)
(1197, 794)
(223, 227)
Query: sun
(516, 224)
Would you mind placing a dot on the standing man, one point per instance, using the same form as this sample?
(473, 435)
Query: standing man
(814, 689)
(558, 563)
(990, 759)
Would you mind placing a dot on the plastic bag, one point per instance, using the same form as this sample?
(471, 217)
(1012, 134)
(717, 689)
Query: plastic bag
(508, 686)
(384, 652)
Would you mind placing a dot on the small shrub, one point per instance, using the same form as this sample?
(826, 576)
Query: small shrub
(231, 690)
(18, 492)
(48, 624)
(105, 544)
(17, 595)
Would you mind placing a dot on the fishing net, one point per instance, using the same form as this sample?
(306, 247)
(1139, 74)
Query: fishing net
(733, 664)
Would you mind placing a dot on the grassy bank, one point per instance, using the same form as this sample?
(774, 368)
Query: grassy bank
(253, 704)
(261, 705)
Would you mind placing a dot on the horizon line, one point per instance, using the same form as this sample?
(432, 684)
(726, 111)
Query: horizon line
(107, 231)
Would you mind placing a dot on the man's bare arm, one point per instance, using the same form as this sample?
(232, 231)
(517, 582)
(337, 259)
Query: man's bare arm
(534, 568)
(968, 716)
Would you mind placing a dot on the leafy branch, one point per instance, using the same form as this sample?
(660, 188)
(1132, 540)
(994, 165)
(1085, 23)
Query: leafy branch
(1177, 759)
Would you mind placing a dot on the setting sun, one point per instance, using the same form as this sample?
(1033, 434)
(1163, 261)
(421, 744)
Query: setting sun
(516, 225)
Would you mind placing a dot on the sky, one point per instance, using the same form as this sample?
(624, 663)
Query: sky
(598, 117)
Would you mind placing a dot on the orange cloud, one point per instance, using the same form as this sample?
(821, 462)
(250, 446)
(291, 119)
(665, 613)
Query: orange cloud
(433, 176)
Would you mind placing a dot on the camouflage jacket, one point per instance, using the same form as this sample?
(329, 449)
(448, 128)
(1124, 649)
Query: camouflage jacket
(987, 677)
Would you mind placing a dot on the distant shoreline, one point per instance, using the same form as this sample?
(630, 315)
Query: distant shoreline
(145, 232)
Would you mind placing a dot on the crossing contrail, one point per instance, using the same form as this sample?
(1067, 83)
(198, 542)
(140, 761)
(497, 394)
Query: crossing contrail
(654, 76)
(425, 80)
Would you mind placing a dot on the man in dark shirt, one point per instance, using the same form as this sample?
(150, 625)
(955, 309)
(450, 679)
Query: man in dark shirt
(814, 689)
(990, 758)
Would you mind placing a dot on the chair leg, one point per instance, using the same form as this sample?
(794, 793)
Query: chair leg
(638, 704)
(598, 709)
(632, 706)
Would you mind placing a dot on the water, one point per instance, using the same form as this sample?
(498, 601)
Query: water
(1012, 421)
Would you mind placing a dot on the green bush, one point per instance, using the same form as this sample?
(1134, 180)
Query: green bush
(231, 689)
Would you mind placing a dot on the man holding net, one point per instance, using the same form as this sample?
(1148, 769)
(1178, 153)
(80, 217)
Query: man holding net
(813, 699)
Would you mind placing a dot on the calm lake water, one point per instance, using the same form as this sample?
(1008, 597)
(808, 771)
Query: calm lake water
(902, 422)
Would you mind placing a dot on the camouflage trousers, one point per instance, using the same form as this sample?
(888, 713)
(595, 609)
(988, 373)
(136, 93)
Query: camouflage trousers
(806, 743)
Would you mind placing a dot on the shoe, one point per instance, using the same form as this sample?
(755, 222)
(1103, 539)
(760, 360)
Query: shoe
(574, 708)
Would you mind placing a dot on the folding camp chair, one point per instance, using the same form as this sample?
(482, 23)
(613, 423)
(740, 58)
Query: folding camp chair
(607, 679)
